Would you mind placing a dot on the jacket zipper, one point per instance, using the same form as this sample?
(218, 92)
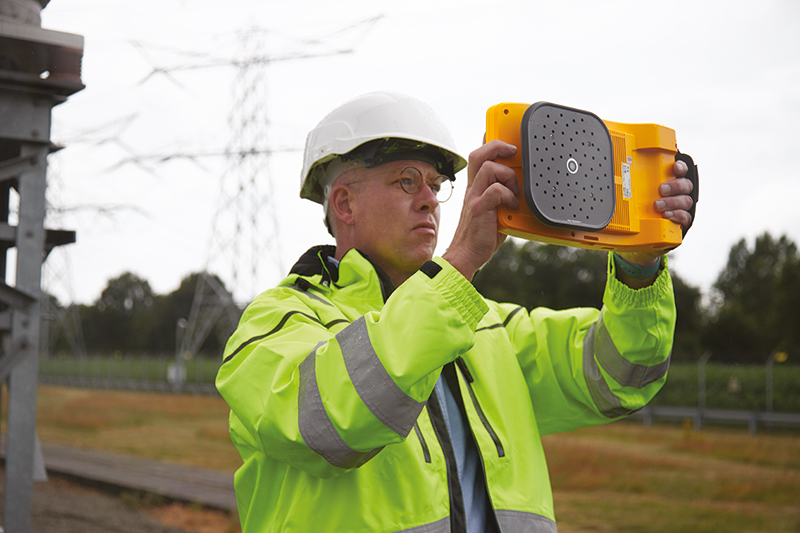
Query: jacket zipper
(451, 375)
(462, 366)
(458, 523)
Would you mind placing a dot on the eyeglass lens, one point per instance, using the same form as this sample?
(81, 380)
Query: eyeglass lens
(411, 181)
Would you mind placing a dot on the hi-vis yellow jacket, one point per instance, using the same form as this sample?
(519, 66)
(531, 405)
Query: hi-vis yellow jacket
(330, 375)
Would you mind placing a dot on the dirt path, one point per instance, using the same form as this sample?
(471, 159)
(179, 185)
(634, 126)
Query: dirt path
(60, 506)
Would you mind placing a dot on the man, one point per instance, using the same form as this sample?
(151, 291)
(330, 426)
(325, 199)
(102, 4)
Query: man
(375, 390)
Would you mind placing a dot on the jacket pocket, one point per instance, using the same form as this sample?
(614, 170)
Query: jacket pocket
(462, 366)
(426, 453)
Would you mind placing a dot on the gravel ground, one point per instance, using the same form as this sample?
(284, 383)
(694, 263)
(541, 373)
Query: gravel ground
(61, 506)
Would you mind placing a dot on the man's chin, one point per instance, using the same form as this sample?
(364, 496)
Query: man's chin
(422, 258)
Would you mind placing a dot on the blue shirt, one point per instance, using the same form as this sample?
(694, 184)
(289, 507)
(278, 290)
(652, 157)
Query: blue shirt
(468, 462)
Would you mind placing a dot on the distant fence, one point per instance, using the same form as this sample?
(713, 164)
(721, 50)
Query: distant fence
(732, 387)
(713, 393)
(134, 373)
(700, 418)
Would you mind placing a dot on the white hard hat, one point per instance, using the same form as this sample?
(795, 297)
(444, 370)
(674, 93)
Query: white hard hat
(387, 126)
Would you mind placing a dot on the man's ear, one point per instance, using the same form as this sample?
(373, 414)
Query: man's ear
(341, 204)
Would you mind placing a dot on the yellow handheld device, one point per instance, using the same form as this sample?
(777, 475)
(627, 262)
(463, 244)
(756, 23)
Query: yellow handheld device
(586, 182)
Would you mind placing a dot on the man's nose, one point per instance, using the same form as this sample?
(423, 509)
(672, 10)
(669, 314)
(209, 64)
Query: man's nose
(427, 196)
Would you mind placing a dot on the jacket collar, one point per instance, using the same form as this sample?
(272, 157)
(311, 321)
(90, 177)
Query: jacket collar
(311, 263)
(315, 263)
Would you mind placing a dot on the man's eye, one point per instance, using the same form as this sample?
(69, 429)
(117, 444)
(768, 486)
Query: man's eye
(406, 182)
(435, 186)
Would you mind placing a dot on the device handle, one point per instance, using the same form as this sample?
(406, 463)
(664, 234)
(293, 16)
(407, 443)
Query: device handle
(693, 176)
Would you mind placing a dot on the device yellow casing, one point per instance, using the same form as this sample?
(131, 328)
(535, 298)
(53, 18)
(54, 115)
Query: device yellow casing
(643, 157)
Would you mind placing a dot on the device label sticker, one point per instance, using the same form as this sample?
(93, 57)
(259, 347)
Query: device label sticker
(626, 181)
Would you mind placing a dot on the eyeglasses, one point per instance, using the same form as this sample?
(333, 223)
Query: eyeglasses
(411, 181)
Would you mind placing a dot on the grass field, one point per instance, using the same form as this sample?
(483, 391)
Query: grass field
(727, 386)
(628, 478)
(623, 477)
(184, 429)
(128, 368)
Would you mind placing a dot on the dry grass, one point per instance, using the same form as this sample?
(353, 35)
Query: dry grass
(627, 478)
(191, 430)
(622, 477)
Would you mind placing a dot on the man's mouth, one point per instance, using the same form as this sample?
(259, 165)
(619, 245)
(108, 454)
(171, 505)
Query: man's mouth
(426, 227)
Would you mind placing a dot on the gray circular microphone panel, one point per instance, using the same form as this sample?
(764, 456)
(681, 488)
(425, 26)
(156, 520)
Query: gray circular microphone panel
(568, 167)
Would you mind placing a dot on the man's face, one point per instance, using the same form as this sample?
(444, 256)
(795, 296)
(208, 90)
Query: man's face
(395, 229)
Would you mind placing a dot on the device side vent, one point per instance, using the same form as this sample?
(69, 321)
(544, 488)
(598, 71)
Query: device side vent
(621, 221)
(620, 152)
(622, 216)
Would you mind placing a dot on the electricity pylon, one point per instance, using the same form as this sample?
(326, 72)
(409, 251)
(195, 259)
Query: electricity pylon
(245, 227)
(58, 320)
(244, 243)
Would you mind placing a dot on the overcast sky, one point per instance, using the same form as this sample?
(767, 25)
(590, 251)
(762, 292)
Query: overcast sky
(724, 75)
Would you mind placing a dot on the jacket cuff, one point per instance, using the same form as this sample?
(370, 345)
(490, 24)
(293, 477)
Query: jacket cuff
(644, 297)
(455, 288)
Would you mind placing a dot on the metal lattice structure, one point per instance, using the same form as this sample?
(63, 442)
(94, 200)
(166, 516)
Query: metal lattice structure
(245, 230)
(245, 226)
(39, 69)
(58, 321)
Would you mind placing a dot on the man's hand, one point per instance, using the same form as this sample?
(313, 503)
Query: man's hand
(490, 185)
(674, 205)
(676, 202)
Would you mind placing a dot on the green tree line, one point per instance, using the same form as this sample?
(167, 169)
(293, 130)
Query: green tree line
(753, 309)
(130, 319)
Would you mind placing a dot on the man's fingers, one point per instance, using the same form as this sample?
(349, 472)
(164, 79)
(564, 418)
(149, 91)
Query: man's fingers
(680, 169)
(676, 208)
(494, 195)
(672, 203)
(683, 218)
(676, 187)
(490, 151)
(491, 173)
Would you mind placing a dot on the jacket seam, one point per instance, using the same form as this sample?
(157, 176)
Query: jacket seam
(504, 323)
(277, 328)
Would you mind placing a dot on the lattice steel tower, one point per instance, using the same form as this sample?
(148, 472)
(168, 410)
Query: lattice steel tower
(58, 321)
(244, 243)
(39, 69)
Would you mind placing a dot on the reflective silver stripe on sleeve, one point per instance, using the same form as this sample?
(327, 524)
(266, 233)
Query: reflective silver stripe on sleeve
(376, 388)
(623, 371)
(522, 522)
(440, 526)
(605, 400)
(315, 425)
